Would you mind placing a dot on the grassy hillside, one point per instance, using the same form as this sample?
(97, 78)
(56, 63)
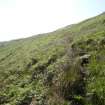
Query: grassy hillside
(64, 67)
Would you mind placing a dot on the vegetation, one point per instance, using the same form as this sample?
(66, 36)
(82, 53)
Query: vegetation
(64, 67)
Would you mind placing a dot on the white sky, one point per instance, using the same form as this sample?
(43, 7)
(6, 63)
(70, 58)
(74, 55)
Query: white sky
(23, 18)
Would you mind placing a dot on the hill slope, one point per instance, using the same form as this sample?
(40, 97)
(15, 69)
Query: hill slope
(64, 67)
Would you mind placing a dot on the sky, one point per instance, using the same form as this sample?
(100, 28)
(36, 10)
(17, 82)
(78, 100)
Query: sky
(24, 18)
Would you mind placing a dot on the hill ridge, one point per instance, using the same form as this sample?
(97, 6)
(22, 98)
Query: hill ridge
(64, 67)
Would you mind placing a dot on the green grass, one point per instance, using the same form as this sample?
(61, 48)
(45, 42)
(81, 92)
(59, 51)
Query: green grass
(47, 67)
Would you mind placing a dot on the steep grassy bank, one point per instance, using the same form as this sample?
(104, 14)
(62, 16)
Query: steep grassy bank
(65, 67)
